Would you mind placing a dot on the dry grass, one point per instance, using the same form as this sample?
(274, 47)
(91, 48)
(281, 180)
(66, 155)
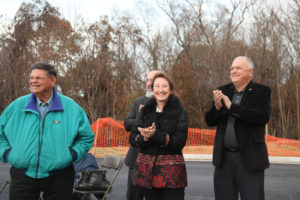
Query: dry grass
(101, 152)
(273, 147)
(283, 149)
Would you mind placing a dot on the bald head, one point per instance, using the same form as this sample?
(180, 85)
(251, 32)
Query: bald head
(250, 63)
(241, 72)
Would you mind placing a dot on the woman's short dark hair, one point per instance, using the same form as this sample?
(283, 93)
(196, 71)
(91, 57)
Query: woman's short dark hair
(44, 66)
(165, 76)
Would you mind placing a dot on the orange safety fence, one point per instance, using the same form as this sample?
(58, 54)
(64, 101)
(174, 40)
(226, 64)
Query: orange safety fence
(111, 138)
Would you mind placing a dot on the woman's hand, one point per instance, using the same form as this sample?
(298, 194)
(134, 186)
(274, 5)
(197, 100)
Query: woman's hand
(147, 132)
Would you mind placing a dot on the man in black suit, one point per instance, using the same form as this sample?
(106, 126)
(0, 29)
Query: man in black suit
(134, 192)
(240, 111)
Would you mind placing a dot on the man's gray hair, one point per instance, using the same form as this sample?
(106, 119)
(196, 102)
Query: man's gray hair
(250, 62)
(44, 66)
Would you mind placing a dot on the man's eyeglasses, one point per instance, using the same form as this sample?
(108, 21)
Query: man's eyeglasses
(38, 78)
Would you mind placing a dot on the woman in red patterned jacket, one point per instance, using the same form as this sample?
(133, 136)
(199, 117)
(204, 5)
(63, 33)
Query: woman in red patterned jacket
(161, 132)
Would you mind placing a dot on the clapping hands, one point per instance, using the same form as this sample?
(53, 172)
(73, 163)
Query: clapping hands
(147, 132)
(218, 97)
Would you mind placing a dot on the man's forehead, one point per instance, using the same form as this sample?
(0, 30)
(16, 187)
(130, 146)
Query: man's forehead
(38, 71)
(239, 62)
(151, 74)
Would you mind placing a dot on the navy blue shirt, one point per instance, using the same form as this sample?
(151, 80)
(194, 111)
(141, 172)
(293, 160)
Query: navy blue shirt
(230, 136)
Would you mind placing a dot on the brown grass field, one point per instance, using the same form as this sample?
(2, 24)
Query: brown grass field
(273, 147)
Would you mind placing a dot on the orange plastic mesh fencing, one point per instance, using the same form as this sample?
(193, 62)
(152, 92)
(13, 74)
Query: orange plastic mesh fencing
(111, 138)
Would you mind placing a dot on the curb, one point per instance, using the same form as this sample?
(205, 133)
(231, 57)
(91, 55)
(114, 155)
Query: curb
(284, 160)
(272, 159)
(197, 157)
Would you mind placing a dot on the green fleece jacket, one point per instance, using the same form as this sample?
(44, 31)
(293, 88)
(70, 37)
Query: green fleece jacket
(41, 148)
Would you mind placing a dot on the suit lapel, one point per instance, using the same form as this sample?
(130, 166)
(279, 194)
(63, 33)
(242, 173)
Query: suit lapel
(248, 91)
(229, 91)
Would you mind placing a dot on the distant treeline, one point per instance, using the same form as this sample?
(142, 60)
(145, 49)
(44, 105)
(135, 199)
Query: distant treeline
(103, 65)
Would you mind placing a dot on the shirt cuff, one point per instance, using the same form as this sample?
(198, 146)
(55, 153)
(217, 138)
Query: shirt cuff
(73, 154)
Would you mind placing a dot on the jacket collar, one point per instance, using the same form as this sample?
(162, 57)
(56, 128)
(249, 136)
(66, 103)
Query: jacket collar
(249, 87)
(172, 103)
(56, 105)
(247, 91)
(230, 90)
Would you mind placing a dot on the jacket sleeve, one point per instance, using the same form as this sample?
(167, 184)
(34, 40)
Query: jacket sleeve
(131, 118)
(258, 115)
(177, 140)
(84, 140)
(135, 138)
(212, 115)
(4, 145)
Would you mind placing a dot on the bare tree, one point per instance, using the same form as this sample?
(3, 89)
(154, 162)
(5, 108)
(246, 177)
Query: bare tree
(38, 34)
(103, 65)
(208, 42)
(291, 25)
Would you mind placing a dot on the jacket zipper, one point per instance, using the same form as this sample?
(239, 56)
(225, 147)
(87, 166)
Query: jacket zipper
(40, 145)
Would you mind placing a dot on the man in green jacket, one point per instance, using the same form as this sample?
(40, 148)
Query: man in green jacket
(41, 134)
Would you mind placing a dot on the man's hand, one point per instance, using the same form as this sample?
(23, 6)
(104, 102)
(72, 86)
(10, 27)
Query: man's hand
(227, 102)
(217, 99)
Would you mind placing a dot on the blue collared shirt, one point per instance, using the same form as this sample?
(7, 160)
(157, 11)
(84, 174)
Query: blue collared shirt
(44, 107)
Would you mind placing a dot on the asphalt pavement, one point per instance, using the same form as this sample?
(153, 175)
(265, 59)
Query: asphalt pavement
(282, 182)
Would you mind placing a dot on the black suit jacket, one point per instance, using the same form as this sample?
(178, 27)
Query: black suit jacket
(129, 122)
(251, 117)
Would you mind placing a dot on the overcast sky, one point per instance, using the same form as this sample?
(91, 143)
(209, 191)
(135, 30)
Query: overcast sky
(90, 10)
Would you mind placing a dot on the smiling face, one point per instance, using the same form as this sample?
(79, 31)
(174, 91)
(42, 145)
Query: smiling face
(161, 89)
(240, 73)
(41, 84)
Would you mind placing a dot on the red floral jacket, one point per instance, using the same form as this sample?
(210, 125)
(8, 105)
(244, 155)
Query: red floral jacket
(162, 171)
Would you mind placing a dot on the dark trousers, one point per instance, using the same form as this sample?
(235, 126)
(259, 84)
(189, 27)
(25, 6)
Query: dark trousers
(134, 192)
(233, 178)
(164, 193)
(56, 187)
